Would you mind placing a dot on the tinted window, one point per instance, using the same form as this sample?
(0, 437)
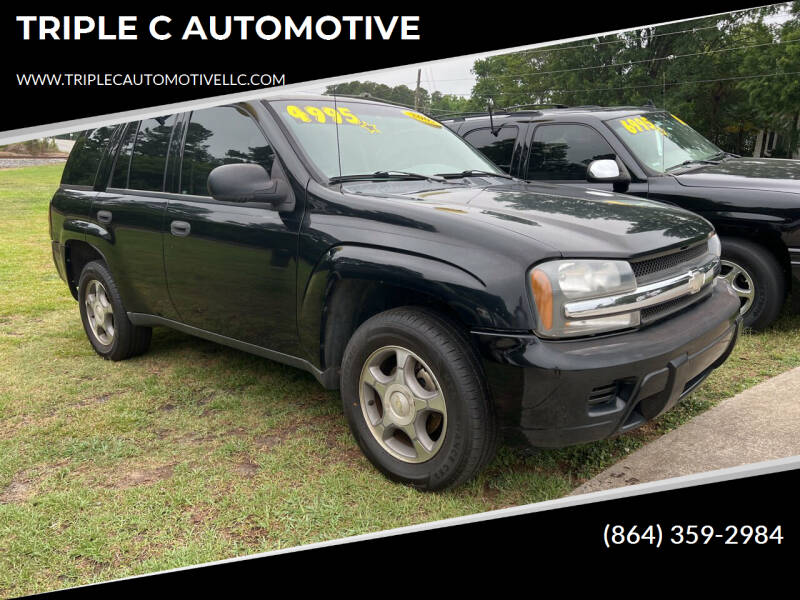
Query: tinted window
(150, 154)
(498, 148)
(81, 168)
(219, 136)
(352, 138)
(562, 152)
(120, 177)
(662, 141)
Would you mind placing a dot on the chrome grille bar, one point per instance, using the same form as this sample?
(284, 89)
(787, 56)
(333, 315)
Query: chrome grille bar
(644, 296)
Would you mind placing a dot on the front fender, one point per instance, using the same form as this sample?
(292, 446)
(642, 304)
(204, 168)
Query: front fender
(466, 295)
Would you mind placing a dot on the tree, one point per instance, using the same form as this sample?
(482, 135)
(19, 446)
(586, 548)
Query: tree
(695, 74)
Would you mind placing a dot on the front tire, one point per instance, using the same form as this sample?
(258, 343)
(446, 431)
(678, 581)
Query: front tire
(416, 400)
(757, 279)
(104, 318)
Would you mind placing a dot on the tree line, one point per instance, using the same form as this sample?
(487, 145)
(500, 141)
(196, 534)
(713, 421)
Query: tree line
(729, 76)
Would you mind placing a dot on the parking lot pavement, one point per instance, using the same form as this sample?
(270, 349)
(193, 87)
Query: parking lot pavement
(761, 423)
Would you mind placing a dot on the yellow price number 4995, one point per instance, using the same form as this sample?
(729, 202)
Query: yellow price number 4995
(317, 114)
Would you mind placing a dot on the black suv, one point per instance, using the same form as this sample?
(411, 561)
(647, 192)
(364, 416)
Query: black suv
(374, 248)
(753, 203)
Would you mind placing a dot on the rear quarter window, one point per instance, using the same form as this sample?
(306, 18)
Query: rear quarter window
(84, 160)
(149, 157)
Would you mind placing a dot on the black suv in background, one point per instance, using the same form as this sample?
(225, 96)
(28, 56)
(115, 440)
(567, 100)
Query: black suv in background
(374, 248)
(753, 203)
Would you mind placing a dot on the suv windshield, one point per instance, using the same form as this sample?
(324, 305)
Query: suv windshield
(662, 141)
(377, 139)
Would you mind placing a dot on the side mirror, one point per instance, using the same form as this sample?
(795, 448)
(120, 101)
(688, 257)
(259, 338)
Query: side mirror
(246, 182)
(609, 171)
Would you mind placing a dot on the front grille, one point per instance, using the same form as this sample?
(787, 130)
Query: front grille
(660, 311)
(653, 269)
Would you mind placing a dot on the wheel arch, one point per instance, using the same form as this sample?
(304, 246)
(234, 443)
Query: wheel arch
(78, 254)
(353, 283)
(764, 236)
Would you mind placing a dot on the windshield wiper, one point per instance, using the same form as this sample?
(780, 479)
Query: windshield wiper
(397, 175)
(473, 173)
(693, 161)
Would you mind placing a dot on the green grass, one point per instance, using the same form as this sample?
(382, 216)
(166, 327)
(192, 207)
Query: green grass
(196, 452)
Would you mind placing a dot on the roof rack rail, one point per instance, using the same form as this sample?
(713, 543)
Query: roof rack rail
(368, 96)
(465, 115)
(518, 106)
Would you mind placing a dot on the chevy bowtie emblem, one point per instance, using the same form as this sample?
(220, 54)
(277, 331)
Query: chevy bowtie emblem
(695, 281)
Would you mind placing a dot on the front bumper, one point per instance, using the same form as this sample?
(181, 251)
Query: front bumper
(559, 393)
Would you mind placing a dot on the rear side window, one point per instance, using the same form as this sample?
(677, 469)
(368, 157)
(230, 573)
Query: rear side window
(149, 156)
(219, 136)
(562, 152)
(119, 179)
(497, 148)
(81, 168)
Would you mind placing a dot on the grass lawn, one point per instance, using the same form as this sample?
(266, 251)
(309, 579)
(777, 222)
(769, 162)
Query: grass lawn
(196, 452)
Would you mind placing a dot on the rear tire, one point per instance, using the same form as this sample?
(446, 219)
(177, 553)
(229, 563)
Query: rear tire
(104, 318)
(429, 424)
(757, 278)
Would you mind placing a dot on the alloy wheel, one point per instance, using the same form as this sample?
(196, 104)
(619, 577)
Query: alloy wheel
(99, 312)
(403, 404)
(741, 281)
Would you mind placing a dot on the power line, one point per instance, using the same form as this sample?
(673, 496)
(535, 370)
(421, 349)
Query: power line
(618, 41)
(609, 89)
(654, 85)
(624, 40)
(628, 64)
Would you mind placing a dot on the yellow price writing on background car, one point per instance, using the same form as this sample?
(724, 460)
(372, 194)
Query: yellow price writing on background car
(639, 124)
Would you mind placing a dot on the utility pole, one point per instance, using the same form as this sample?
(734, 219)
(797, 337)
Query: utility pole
(416, 92)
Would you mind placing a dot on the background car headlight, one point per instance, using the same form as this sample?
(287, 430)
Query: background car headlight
(556, 282)
(714, 245)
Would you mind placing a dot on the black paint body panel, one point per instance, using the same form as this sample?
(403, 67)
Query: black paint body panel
(265, 280)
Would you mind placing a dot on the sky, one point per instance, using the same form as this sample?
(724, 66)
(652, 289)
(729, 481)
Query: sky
(453, 75)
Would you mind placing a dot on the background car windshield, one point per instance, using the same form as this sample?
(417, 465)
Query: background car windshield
(374, 138)
(661, 141)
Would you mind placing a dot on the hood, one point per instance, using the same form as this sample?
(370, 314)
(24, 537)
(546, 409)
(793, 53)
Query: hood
(764, 174)
(575, 221)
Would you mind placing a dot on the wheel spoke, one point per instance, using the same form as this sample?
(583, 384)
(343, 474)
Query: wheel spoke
(731, 275)
(743, 292)
(436, 402)
(402, 357)
(401, 372)
(423, 452)
(374, 378)
(108, 324)
(95, 326)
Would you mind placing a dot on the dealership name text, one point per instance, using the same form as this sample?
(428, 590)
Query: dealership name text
(267, 27)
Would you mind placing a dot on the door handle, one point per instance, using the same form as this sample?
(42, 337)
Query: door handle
(180, 228)
(104, 216)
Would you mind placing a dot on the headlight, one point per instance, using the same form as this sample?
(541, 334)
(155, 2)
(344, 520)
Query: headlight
(714, 245)
(557, 282)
